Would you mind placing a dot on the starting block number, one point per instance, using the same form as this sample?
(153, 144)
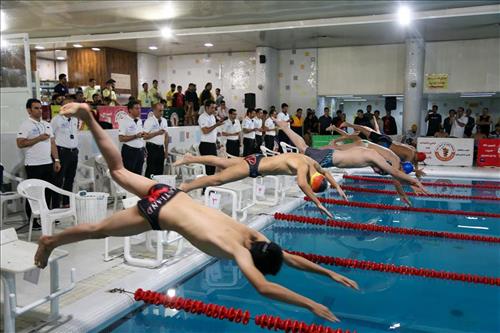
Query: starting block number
(214, 200)
(260, 190)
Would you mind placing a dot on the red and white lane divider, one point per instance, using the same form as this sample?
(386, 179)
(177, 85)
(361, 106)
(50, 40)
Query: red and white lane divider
(389, 181)
(384, 229)
(404, 270)
(403, 208)
(430, 195)
(239, 316)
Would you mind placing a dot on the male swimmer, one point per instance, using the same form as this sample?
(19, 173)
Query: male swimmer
(310, 176)
(211, 231)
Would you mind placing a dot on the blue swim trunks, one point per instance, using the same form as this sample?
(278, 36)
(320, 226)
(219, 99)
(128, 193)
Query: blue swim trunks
(323, 156)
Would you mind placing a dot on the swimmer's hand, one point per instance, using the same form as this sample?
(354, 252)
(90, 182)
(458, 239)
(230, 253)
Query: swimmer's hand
(420, 173)
(419, 189)
(325, 211)
(322, 311)
(344, 280)
(341, 192)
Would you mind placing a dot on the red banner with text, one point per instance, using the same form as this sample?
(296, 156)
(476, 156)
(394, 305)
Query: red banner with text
(488, 152)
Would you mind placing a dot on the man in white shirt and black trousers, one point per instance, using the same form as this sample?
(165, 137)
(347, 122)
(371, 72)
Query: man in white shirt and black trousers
(155, 128)
(209, 125)
(131, 134)
(283, 116)
(34, 138)
(231, 131)
(66, 140)
(249, 133)
(258, 130)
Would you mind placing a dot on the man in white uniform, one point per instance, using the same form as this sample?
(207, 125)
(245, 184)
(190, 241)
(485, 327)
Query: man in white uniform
(156, 136)
(258, 130)
(34, 138)
(66, 140)
(283, 116)
(208, 125)
(130, 133)
(458, 123)
(269, 127)
(231, 131)
(249, 133)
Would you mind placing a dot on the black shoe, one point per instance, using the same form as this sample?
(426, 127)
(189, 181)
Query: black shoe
(57, 222)
(36, 226)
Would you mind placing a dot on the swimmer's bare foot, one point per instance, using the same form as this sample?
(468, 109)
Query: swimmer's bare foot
(182, 187)
(79, 110)
(331, 128)
(281, 123)
(44, 250)
(186, 159)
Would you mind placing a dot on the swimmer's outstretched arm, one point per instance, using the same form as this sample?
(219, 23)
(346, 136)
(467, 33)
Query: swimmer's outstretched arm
(275, 291)
(302, 172)
(331, 180)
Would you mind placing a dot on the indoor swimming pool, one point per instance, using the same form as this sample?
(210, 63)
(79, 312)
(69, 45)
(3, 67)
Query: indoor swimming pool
(386, 301)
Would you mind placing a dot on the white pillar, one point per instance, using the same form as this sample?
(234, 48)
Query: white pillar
(414, 79)
(266, 77)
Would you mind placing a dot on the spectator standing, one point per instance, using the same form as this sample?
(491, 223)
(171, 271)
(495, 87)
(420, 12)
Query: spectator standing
(109, 93)
(209, 127)
(62, 87)
(178, 101)
(249, 133)
(441, 133)
(471, 123)
(170, 95)
(484, 122)
(297, 123)
(377, 122)
(232, 130)
(337, 120)
(283, 116)
(458, 124)
(324, 122)
(218, 97)
(222, 113)
(258, 122)
(368, 116)
(410, 137)
(65, 138)
(34, 138)
(90, 91)
(145, 96)
(270, 129)
(156, 136)
(310, 126)
(190, 99)
(390, 127)
(155, 93)
(360, 118)
(206, 94)
(433, 119)
(131, 133)
(496, 133)
(447, 123)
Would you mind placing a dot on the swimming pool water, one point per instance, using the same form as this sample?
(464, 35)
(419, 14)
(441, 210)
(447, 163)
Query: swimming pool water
(386, 302)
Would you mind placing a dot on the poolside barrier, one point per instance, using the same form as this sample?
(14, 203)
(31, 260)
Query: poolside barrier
(234, 315)
(430, 195)
(389, 181)
(404, 270)
(403, 208)
(384, 229)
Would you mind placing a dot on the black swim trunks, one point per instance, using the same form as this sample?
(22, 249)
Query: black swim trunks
(323, 156)
(158, 196)
(380, 139)
(253, 162)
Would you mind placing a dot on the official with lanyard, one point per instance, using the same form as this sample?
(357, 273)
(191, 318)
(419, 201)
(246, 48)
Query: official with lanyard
(66, 140)
(232, 130)
(33, 138)
(155, 128)
(130, 133)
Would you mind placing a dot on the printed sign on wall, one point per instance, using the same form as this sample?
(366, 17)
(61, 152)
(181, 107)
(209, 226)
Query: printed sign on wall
(122, 81)
(436, 81)
(447, 151)
(488, 152)
(112, 114)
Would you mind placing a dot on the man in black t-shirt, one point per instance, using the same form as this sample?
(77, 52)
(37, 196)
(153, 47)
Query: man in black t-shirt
(471, 123)
(368, 117)
(447, 121)
(434, 120)
(337, 120)
(62, 87)
(324, 122)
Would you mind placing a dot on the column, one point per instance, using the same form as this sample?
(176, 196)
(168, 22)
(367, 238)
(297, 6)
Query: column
(414, 79)
(266, 77)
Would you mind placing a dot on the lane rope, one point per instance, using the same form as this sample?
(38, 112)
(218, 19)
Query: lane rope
(403, 208)
(235, 315)
(397, 269)
(430, 195)
(383, 229)
(389, 181)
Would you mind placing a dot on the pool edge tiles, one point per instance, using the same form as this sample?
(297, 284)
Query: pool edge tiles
(102, 308)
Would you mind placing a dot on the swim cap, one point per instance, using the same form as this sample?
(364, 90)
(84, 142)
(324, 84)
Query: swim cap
(407, 167)
(318, 182)
(267, 257)
(421, 156)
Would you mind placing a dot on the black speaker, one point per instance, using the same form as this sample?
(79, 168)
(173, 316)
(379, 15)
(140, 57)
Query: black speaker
(390, 103)
(262, 59)
(250, 100)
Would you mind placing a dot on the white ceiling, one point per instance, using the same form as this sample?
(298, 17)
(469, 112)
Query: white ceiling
(316, 23)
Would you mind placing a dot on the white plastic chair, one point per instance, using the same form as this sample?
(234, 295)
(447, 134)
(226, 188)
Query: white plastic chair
(268, 152)
(165, 179)
(288, 148)
(85, 178)
(34, 191)
(12, 197)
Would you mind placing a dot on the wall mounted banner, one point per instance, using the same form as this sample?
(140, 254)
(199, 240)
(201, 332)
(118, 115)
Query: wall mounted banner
(122, 81)
(112, 114)
(447, 151)
(436, 81)
(488, 152)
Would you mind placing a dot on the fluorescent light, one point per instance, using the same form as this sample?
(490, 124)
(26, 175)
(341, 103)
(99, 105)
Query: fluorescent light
(167, 32)
(479, 94)
(39, 47)
(341, 96)
(472, 227)
(393, 95)
(152, 47)
(355, 100)
(4, 43)
(96, 49)
(208, 44)
(404, 15)
(3, 20)
(77, 45)
(60, 58)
